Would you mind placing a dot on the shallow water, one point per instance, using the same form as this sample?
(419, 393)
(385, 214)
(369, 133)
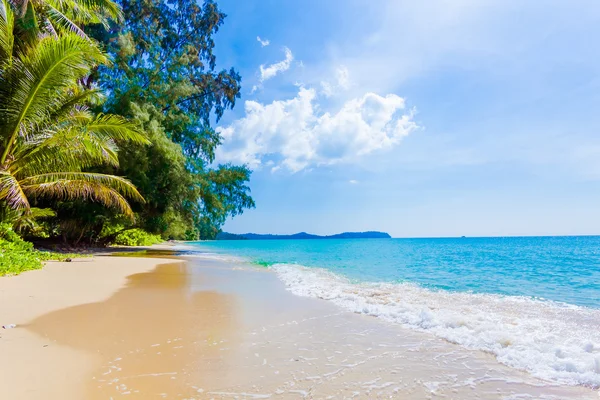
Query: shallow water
(532, 302)
(563, 269)
(227, 330)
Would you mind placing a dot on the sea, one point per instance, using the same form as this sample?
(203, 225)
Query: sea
(532, 302)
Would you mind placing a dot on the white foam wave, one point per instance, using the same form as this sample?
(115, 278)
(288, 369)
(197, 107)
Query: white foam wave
(552, 341)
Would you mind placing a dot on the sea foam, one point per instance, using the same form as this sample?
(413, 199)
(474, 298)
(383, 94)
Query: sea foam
(553, 341)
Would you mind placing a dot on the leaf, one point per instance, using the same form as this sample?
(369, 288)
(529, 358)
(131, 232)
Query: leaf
(84, 189)
(36, 84)
(11, 191)
(7, 25)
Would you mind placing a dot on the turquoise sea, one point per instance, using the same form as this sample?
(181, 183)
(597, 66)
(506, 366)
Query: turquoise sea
(534, 302)
(565, 269)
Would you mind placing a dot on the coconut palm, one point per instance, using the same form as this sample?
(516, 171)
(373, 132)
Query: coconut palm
(42, 17)
(48, 136)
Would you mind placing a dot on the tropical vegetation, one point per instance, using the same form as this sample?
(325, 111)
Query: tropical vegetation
(17, 255)
(164, 77)
(106, 122)
(137, 237)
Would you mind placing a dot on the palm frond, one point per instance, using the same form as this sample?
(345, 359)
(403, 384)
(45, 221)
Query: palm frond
(80, 190)
(61, 21)
(116, 128)
(74, 155)
(41, 213)
(78, 141)
(48, 135)
(109, 7)
(39, 81)
(73, 105)
(26, 220)
(88, 11)
(113, 182)
(11, 192)
(7, 26)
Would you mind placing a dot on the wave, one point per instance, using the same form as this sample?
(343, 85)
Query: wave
(552, 341)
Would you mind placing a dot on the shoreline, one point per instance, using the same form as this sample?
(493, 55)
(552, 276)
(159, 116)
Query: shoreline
(139, 327)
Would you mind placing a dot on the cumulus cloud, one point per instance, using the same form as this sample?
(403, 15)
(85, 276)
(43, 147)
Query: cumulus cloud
(270, 71)
(294, 134)
(263, 42)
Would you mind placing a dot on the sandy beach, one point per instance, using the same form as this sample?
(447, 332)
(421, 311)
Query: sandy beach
(142, 328)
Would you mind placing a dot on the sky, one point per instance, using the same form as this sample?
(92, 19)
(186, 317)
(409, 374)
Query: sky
(421, 119)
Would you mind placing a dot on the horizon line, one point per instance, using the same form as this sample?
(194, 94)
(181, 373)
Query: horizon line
(425, 237)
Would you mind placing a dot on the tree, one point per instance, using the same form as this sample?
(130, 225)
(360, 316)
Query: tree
(37, 18)
(165, 78)
(48, 136)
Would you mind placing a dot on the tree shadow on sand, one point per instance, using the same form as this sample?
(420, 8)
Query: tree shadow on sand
(154, 336)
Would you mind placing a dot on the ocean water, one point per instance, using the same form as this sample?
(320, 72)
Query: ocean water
(533, 302)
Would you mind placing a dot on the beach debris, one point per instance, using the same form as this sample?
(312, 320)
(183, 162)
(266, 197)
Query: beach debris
(9, 326)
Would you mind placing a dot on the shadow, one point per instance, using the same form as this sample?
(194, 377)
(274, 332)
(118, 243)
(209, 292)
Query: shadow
(154, 336)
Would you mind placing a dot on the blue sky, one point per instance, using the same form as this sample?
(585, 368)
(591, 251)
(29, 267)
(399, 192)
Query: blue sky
(433, 118)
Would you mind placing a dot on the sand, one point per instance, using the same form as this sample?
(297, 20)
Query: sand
(33, 366)
(149, 328)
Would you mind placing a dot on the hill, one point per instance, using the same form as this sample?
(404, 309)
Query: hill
(302, 235)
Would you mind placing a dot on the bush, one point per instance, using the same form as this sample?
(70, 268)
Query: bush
(137, 237)
(17, 255)
(7, 233)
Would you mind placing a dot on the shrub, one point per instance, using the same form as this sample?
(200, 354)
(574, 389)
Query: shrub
(17, 255)
(7, 233)
(137, 237)
(13, 262)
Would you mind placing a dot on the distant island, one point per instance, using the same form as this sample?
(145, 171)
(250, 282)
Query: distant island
(302, 235)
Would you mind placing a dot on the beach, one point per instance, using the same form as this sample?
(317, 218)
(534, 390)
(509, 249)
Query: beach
(35, 366)
(196, 328)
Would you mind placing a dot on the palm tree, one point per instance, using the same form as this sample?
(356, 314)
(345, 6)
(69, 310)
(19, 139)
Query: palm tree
(51, 17)
(48, 136)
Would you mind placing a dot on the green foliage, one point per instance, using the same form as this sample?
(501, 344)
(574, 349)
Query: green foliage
(164, 77)
(29, 223)
(48, 136)
(54, 256)
(137, 237)
(17, 255)
(57, 153)
(52, 17)
(7, 233)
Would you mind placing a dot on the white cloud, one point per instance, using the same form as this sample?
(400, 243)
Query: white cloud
(270, 71)
(263, 43)
(353, 181)
(296, 135)
(343, 77)
(327, 89)
(342, 82)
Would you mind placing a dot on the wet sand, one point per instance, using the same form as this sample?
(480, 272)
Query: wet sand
(212, 330)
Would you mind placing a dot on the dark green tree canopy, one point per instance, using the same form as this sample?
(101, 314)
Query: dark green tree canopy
(165, 77)
(164, 57)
